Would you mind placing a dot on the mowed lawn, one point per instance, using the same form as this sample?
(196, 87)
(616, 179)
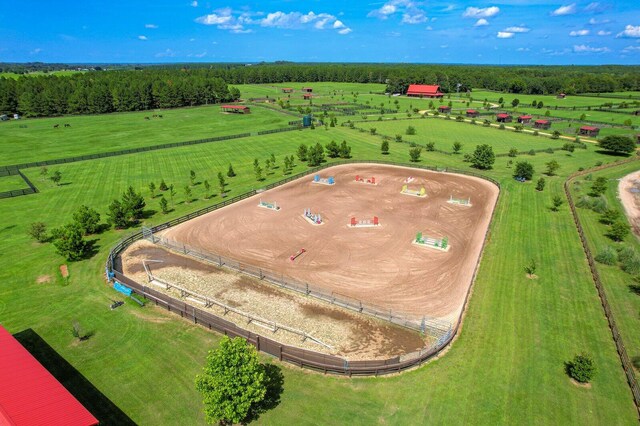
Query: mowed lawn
(40, 140)
(11, 183)
(619, 286)
(445, 132)
(507, 366)
(549, 101)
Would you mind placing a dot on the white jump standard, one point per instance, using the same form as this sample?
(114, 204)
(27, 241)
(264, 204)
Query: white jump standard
(413, 192)
(324, 181)
(270, 206)
(312, 218)
(460, 201)
(434, 243)
(364, 223)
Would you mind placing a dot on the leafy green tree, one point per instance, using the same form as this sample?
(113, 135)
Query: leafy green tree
(531, 268)
(483, 157)
(557, 202)
(258, 173)
(345, 150)
(556, 134)
(582, 368)
(599, 186)
(163, 186)
(172, 193)
(373, 130)
(410, 130)
(232, 382)
(133, 203)
(187, 194)
(118, 214)
(152, 189)
(608, 256)
(164, 205)
(69, 242)
(618, 231)
(398, 138)
(540, 185)
(192, 177)
(272, 157)
(513, 152)
(385, 147)
(414, 154)
(552, 167)
(617, 143)
(515, 102)
(38, 231)
(43, 173)
(333, 150)
(430, 146)
(610, 216)
(56, 177)
(524, 169)
(207, 187)
(230, 172)
(569, 147)
(316, 155)
(302, 152)
(457, 146)
(87, 219)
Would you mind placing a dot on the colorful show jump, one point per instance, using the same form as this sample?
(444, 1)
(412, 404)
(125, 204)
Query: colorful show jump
(413, 192)
(270, 206)
(438, 244)
(324, 181)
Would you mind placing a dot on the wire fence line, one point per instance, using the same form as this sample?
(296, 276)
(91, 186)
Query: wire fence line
(298, 356)
(627, 365)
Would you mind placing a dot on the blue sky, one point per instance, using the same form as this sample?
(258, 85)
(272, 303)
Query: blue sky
(483, 32)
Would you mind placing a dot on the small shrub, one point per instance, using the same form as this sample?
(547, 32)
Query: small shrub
(618, 231)
(584, 202)
(549, 150)
(431, 146)
(631, 265)
(599, 205)
(532, 152)
(410, 130)
(610, 216)
(501, 126)
(540, 185)
(608, 256)
(513, 152)
(535, 133)
(581, 369)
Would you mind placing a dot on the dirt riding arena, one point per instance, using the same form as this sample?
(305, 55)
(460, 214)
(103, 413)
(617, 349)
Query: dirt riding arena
(629, 193)
(377, 264)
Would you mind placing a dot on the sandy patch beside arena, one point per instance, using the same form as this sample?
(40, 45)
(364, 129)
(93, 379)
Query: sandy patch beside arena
(378, 265)
(631, 200)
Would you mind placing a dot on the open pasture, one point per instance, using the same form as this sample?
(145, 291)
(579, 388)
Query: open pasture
(38, 139)
(549, 101)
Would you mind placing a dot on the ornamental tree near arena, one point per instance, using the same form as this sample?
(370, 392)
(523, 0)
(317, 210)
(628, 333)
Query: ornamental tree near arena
(524, 169)
(617, 143)
(483, 157)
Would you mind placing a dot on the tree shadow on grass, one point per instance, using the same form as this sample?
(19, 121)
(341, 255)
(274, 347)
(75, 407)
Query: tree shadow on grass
(82, 389)
(275, 386)
(634, 288)
(147, 214)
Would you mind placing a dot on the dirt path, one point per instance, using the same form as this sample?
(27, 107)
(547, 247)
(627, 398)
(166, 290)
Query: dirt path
(629, 193)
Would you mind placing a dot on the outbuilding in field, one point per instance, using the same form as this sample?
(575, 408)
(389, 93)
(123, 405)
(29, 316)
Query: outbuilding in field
(542, 124)
(30, 395)
(589, 131)
(636, 112)
(472, 113)
(524, 119)
(236, 109)
(307, 89)
(4, 117)
(287, 90)
(503, 118)
(424, 91)
(307, 96)
(444, 109)
(561, 96)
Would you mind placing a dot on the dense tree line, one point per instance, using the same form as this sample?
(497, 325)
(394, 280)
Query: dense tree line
(112, 91)
(179, 85)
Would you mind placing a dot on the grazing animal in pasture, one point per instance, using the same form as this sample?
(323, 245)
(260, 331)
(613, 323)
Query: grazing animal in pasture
(55, 126)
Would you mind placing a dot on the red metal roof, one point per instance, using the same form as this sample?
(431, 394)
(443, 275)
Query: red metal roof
(472, 111)
(234, 107)
(423, 89)
(542, 121)
(526, 117)
(589, 128)
(503, 115)
(444, 107)
(30, 395)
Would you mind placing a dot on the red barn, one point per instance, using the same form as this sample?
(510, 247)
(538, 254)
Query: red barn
(472, 113)
(444, 109)
(307, 89)
(30, 395)
(542, 124)
(237, 109)
(307, 96)
(287, 90)
(424, 91)
(523, 119)
(503, 118)
(589, 131)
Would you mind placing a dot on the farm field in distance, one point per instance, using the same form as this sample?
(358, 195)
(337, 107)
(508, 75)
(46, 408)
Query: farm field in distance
(506, 366)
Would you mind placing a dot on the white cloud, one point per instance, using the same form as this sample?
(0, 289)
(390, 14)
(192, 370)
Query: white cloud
(604, 33)
(579, 33)
(583, 48)
(345, 31)
(481, 22)
(297, 20)
(592, 6)
(411, 13)
(517, 30)
(166, 54)
(141, 37)
(523, 49)
(475, 12)
(429, 28)
(565, 10)
(151, 26)
(194, 3)
(35, 51)
(631, 48)
(505, 34)
(449, 8)
(223, 16)
(630, 31)
(444, 46)
(594, 21)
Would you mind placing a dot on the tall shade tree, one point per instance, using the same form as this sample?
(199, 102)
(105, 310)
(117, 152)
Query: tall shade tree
(617, 143)
(483, 157)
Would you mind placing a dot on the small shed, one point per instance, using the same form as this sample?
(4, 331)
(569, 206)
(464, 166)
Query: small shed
(4, 117)
(636, 112)
(445, 109)
(589, 131)
(503, 118)
(561, 96)
(524, 119)
(472, 113)
(16, 116)
(542, 124)
(307, 96)
(287, 90)
(236, 109)
(307, 89)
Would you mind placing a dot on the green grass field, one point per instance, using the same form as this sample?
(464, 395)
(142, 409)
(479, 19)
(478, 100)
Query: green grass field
(549, 101)
(10, 183)
(113, 132)
(507, 366)
(38, 73)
